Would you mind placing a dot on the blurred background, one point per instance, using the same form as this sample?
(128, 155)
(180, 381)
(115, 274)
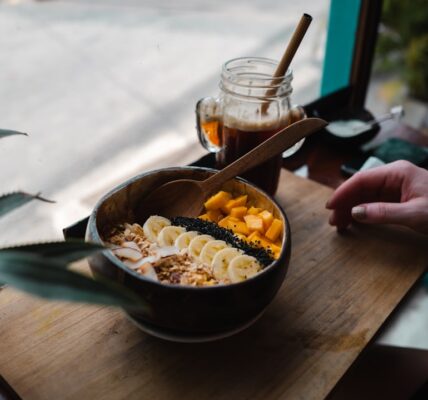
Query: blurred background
(107, 88)
(400, 69)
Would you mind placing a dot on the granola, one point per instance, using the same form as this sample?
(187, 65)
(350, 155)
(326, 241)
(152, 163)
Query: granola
(171, 255)
(179, 268)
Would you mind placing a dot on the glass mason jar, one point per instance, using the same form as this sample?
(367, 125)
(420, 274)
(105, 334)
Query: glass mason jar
(250, 108)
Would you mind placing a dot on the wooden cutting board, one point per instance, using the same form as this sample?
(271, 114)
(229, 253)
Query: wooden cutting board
(338, 292)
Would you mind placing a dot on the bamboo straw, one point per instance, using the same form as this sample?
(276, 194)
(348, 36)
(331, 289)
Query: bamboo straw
(288, 56)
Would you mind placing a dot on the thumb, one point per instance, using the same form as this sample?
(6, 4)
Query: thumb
(382, 213)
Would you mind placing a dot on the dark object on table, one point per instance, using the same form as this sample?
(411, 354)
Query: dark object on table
(393, 149)
(358, 131)
(77, 230)
(353, 166)
(349, 132)
(331, 109)
(6, 391)
(178, 312)
(397, 149)
(207, 161)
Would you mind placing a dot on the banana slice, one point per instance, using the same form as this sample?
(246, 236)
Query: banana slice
(210, 250)
(221, 262)
(169, 234)
(197, 243)
(183, 241)
(154, 225)
(242, 268)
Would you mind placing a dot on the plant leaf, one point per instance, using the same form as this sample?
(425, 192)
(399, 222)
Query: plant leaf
(8, 132)
(10, 201)
(50, 279)
(65, 252)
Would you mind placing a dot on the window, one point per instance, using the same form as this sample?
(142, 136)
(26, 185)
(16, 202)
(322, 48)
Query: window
(107, 88)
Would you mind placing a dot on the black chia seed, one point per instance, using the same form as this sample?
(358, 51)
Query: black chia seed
(263, 256)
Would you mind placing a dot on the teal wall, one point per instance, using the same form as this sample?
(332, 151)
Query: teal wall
(342, 28)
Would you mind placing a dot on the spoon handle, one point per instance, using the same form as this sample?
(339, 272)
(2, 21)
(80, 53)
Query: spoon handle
(275, 145)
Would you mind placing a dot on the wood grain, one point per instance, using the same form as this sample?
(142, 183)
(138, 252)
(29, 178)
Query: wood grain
(339, 291)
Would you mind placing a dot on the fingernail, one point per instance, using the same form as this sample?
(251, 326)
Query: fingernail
(358, 212)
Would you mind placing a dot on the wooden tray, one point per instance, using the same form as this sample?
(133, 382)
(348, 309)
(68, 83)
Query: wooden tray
(339, 291)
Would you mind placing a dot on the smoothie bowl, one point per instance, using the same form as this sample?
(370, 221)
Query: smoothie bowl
(202, 278)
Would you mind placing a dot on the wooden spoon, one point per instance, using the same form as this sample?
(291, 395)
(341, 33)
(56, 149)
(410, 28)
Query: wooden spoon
(185, 197)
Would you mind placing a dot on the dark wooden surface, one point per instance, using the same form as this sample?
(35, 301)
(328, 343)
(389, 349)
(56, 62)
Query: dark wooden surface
(6, 391)
(386, 372)
(324, 159)
(339, 291)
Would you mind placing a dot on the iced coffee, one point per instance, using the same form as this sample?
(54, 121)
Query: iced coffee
(243, 116)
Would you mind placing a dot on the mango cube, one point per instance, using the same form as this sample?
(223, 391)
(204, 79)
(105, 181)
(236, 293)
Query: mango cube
(235, 225)
(217, 201)
(255, 238)
(254, 210)
(214, 215)
(224, 222)
(267, 218)
(238, 212)
(274, 230)
(252, 235)
(276, 250)
(239, 227)
(254, 223)
(237, 202)
(240, 236)
(205, 217)
(261, 241)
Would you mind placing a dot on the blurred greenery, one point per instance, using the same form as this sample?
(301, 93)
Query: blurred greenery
(41, 269)
(417, 66)
(402, 46)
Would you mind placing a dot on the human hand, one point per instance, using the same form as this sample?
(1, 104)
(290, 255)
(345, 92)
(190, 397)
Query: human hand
(395, 193)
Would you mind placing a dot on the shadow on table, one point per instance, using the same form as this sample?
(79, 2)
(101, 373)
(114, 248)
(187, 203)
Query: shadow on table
(386, 372)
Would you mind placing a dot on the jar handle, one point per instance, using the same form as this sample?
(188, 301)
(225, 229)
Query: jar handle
(296, 113)
(209, 123)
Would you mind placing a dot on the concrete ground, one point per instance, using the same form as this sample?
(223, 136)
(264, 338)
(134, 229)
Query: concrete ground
(107, 88)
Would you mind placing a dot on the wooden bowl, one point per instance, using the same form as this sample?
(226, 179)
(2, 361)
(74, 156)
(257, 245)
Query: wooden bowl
(183, 311)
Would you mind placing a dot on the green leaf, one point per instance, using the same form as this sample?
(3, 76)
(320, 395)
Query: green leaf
(8, 132)
(65, 252)
(10, 201)
(50, 279)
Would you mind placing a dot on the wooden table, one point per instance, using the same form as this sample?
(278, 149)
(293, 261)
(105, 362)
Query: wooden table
(339, 290)
(400, 379)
